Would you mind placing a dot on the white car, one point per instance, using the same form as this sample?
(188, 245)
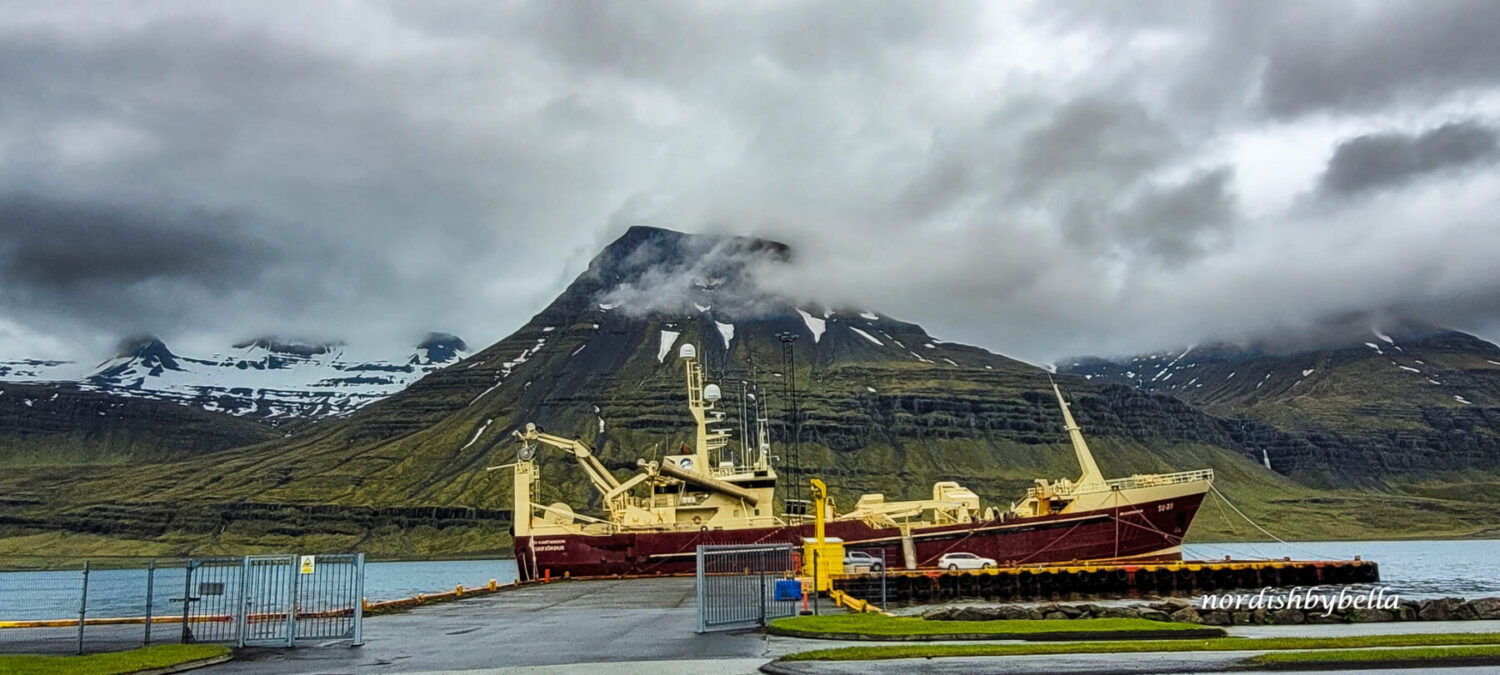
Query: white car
(859, 559)
(965, 561)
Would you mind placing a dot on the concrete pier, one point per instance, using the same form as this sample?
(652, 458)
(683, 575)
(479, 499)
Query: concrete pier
(1052, 581)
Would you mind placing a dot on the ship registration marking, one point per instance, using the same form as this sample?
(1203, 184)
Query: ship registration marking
(550, 545)
(1164, 507)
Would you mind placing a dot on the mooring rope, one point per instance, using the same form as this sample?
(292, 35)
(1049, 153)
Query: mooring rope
(1215, 490)
(1232, 527)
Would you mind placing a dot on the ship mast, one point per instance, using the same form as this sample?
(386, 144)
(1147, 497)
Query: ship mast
(1091, 475)
(701, 401)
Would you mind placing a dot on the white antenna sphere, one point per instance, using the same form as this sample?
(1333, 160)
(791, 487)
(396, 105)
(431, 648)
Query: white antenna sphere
(711, 393)
(688, 352)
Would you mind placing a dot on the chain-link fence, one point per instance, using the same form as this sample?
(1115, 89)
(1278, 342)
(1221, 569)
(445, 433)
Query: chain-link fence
(112, 605)
(92, 606)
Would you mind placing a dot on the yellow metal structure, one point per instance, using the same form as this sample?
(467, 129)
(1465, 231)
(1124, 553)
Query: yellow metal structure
(820, 506)
(822, 557)
(853, 604)
(702, 488)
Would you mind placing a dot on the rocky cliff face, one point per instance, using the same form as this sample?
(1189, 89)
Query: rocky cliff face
(1403, 403)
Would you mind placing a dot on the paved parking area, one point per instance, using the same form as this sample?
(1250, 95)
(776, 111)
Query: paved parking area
(623, 623)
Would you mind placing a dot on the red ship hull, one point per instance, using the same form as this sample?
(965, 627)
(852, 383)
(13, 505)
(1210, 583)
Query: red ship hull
(1147, 531)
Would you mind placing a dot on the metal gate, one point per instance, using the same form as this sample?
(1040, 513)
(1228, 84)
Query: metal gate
(211, 599)
(737, 585)
(329, 599)
(270, 611)
(274, 600)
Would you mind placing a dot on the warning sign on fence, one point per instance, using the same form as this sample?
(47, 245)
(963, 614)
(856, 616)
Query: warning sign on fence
(307, 564)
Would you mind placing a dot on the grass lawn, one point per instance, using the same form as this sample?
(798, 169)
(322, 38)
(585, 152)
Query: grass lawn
(881, 625)
(1332, 656)
(146, 658)
(1133, 646)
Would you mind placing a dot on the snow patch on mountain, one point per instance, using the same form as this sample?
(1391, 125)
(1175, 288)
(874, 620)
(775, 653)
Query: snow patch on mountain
(509, 366)
(814, 324)
(867, 336)
(477, 434)
(668, 338)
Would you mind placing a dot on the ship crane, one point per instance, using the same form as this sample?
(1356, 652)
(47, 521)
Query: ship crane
(612, 490)
(602, 479)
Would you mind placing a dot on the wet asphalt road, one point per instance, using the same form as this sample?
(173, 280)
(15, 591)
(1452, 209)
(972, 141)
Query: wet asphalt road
(578, 622)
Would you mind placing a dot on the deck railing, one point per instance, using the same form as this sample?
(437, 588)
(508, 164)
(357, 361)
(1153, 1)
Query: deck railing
(1136, 481)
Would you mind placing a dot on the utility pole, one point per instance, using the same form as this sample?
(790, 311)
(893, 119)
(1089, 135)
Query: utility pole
(794, 454)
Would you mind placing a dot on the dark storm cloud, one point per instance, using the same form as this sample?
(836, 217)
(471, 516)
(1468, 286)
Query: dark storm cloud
(1393, 158)
(51, 248)
(1178, 222)
(1092, 139)
(1362, 56)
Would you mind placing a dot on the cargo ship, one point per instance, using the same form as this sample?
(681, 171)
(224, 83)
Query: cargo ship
(655, 520)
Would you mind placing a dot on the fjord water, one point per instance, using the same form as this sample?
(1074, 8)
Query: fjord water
(122, 592)
(1412, 569)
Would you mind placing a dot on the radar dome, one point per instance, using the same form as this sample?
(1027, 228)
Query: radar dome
(711, 393)
(688, 352)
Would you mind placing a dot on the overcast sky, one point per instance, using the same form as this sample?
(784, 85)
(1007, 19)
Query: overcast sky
(1047, 180)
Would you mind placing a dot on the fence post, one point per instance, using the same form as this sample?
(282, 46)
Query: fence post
(763, 555)
(150, 587)
(242, 604)
(83, 605)
(883, 565)
(702, 624)
(187, 600)
(815, 583)
(294, 587)
(359, 600)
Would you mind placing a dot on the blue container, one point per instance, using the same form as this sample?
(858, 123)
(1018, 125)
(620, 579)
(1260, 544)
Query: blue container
(788, 589)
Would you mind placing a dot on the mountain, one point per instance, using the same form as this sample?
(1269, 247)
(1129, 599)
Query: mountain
(1395, 405)
(885, 407)
(265, 379)
(58, 426)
